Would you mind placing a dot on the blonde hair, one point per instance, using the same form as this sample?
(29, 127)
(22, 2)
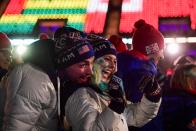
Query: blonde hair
(184, 77)
(97, 71)
(96, 76)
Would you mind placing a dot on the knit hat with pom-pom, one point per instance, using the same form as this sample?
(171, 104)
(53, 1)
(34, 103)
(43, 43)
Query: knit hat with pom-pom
(147, 39)
(43, 36)
(5, 43)
(118, 43)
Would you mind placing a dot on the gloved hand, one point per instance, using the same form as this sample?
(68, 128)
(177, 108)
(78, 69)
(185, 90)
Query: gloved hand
(151, 88)
(116, 92)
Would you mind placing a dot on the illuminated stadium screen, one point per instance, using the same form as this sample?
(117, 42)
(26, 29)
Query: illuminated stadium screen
(152, 10)
(22, 16)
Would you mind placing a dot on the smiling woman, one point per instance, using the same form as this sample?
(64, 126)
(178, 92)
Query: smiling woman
(107, 65)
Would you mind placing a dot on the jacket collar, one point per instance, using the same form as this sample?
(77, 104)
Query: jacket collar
(138, 55)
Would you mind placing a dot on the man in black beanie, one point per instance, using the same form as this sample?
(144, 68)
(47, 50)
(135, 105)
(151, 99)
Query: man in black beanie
(74, 61)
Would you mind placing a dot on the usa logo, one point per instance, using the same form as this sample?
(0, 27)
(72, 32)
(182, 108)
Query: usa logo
(152, 48)
(83, 49)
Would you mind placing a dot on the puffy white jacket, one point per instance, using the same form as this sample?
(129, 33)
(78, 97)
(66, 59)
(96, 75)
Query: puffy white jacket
(31, 103)
(86, 110)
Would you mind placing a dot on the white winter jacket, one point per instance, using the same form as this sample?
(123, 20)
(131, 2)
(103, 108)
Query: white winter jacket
(86, 110)
(31, 103)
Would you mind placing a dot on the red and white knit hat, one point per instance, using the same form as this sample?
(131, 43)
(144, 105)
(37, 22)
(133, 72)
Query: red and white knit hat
(147, 39)
(5, 43)
(43, 36)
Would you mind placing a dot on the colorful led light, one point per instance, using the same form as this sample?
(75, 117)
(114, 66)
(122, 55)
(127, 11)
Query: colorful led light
(90, 15)
(151, 10)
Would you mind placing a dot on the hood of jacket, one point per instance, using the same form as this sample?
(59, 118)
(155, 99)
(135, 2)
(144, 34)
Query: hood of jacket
(41, 54)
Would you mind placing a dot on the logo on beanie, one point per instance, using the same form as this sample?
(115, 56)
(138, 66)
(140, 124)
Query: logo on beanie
(94, 38)
(101, 46)
(65, 58)
(150, 49)
(75, 35)
(66, 40)
(83, 49)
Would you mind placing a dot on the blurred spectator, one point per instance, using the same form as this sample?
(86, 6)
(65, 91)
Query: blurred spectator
(118, 43)
(148, 46)
(179, 108)
(43, 36)
(141, 62)
(185, 59)
(5, 60)
(5, 54)
(31, 102)
(181, 60)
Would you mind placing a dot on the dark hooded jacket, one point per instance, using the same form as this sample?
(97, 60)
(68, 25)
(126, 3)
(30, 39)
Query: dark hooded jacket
(131, 69)
(179, 109)
(132, 66)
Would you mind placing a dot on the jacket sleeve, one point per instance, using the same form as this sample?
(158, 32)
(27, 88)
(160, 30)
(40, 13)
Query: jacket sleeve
(2, 101)
(138, 114)
(84, 113)
(21, 109)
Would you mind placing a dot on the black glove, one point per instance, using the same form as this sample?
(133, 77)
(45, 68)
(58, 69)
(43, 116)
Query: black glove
(115, 91)
(151, 88)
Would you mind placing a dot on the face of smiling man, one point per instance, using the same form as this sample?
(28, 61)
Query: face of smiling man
(81, 72)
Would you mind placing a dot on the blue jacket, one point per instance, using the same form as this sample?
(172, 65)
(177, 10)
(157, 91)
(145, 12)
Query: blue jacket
(131, 68)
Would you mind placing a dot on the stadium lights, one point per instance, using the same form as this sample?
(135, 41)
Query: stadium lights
(172, 48)
(172, 43)
(20, 50)
(18, 42)
(178, 40)
(169, 40)
(191, 39)
(181, 40)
